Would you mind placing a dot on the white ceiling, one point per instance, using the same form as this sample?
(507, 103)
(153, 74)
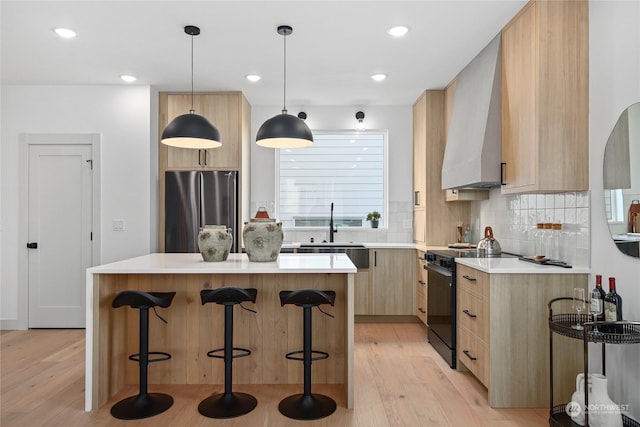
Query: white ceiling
(334, 48)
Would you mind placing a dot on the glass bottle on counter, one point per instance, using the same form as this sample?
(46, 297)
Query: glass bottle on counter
(538, 238)
(547, 240)
(556, 239)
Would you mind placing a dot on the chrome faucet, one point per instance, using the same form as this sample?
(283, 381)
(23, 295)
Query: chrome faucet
(331, 228)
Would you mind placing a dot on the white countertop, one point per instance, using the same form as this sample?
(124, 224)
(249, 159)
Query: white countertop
(629, 237)
(515, 266)
(164, 263)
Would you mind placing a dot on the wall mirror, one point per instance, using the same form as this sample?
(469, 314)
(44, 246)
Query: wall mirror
(622, 181)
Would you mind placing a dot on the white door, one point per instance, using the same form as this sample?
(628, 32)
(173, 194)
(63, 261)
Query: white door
(60, 220)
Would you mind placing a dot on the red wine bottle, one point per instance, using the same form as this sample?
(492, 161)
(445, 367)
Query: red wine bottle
(613, 306)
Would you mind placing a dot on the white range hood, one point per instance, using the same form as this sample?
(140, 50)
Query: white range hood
(472, 153)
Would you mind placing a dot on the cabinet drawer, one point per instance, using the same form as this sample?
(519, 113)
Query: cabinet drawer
(421, 302)
(474, 354)
(472, 280)
(473, 315)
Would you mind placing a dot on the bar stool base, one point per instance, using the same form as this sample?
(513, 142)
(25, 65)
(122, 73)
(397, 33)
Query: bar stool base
(141, 406)
(310, 407)
(230, 405)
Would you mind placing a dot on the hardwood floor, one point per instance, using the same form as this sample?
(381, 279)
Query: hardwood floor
(399, 381)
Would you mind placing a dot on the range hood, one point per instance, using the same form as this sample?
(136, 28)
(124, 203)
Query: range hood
(472, 153)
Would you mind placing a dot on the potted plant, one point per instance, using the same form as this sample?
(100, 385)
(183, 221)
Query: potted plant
(374, 217)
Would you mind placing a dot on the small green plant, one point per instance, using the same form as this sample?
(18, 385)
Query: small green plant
(373, 216)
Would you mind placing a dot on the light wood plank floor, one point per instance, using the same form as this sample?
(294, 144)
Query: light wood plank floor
(399, 381)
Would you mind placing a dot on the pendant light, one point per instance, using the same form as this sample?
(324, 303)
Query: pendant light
(284, 130)
(191, 130)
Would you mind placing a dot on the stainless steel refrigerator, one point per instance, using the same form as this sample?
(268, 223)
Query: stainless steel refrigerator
(197, 198)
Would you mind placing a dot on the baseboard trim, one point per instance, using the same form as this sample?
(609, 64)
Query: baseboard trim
(9, 324)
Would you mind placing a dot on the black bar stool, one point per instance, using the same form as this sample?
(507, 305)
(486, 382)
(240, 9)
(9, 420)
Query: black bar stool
(228, 404)
(307, 406)
(145, 404)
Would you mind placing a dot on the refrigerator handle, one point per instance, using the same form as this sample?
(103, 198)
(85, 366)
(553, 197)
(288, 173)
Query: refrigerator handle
(201, 196)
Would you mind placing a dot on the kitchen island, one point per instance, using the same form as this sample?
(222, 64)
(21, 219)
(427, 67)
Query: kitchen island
(192, 329)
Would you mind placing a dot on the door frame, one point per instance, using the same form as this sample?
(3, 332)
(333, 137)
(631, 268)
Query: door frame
(26, 140)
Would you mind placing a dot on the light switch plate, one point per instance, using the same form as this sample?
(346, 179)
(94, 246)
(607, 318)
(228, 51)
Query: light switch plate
(118, 225)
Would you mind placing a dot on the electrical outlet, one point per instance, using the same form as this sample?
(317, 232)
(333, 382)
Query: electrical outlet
(118, 225)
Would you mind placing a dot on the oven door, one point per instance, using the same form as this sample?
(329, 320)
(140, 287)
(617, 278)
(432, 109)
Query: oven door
(441, 300)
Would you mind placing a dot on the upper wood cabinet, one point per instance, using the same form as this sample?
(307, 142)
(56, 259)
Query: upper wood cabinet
(229, 112)
(434, 220)
(545, 120)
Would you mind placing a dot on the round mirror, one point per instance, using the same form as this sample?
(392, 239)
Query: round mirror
(622, 181)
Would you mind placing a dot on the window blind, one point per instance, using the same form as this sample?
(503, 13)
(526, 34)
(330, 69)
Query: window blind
(346, 168)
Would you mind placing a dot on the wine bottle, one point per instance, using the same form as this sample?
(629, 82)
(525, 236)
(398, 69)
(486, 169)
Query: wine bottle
(596, 305)
(613, 306)
(600, 317)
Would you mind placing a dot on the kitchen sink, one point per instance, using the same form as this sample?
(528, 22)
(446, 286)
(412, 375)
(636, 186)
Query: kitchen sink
(357, 253)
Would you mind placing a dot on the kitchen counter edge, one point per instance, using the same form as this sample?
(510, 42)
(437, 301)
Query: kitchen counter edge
(515, 266)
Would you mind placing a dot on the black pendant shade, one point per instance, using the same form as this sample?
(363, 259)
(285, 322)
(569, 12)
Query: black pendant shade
(284, 131)
(191, 131)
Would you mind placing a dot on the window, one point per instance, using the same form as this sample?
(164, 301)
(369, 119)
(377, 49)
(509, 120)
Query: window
(344, 168)
(613, 205)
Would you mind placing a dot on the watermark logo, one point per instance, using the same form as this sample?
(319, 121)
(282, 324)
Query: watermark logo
(573, 409)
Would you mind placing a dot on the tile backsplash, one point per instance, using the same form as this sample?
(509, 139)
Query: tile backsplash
(513, 220)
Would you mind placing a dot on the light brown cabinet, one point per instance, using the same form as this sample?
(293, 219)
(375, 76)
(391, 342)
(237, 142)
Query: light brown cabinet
(390, 288)
(545, 121)
(421, 287)
(434, 220)
(231, 114)
(502, 334)
(473, 321)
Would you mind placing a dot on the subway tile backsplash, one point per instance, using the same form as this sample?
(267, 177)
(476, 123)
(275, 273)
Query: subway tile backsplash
(513, 220)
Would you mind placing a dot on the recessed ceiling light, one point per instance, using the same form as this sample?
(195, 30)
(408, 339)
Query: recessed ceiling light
(379, 77)
(252, 77)
(398, 31)
(127, 78)
(65, 33)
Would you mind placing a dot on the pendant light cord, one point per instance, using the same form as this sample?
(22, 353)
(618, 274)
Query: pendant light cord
(284, 66)
(192, 109)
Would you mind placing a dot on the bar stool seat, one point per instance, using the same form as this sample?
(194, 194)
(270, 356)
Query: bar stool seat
(229, 404)
(307, 405)
(144, 404)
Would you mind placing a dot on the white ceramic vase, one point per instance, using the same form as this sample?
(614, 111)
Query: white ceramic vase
(603, 412)
(214, 242)
(262, 239)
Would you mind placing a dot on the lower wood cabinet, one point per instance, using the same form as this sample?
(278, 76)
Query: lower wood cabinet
(503, 335)
(421, 288)
(391, 273)
(387, 287)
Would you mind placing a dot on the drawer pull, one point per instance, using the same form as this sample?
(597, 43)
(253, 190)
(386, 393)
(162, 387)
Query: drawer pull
(466, 353)
(422, 282)
(469, 314)
(422, 310)
(469, 278)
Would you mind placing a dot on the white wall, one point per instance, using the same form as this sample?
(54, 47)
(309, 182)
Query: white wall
(614, 56)
(397, 120)
(122, 115)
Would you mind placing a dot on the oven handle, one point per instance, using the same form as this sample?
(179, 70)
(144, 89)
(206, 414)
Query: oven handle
(438, 270)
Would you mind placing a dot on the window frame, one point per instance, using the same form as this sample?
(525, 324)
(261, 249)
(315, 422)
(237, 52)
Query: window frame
(385, 179)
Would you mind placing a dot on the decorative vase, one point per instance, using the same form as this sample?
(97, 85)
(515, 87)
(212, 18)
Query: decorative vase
(214, 242)
(603, 412)
(374, 223)
(262, 239)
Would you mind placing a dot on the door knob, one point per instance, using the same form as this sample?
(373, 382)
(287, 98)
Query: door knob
(32, 245)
